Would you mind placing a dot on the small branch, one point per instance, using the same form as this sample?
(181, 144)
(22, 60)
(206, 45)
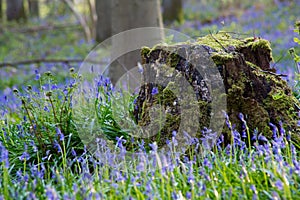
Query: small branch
(36, 61)
(42, 28)
(93, 17)
(80, 18)
(268, 72)
(218, 42)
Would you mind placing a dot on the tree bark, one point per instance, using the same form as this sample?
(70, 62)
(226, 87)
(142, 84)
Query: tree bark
(131, 14)
(34, 8)
(172, 11)
(15, 10)
(251, 87)
(103, 26)
(1, 13)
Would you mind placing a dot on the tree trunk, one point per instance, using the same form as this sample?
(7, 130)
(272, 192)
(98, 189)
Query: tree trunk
(172, 11)
(103, 26)
(251, 87)
(1, 14)
(15, 10)
(34, 8)
(131, 14)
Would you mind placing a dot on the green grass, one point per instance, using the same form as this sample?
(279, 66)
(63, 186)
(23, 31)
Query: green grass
(45, 164)
(43, 153)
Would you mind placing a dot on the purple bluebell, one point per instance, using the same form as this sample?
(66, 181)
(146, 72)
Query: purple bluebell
(46, 109)
(120, 141)
(153, 146)
(37, 75)
(73, 152)
(4, 155)
(57, 146)
(262, 138)
(154, 91)
(51, 193)
(25, 156)
(188, 195)
(59, 134)
(281, 129)
(279, 184)
(274, 130)
(206, 163)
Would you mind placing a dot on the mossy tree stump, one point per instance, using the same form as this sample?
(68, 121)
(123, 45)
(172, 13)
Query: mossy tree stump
(251, 86)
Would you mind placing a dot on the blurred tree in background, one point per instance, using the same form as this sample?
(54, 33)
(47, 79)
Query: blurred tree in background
(93, 21)
(15, 10)
(1, 10)
(172, 11)
(126, 15)
(33, 6)
(104, 25)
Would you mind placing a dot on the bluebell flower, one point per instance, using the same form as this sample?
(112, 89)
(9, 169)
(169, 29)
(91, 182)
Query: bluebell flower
(188, 195)
(46, 109)
(191, 178)
(73, 152)
(37, 75)
(24, 156)
(262, 138)
(281, 129)
(57, 146)
(220, 141)
(51, 194)
(154, 91)
(227, 121)
(59, 134)
(253, 188)
(279, 184)
(140, 167)
(120, 141)
(274, 130)
(54, 87)
(4, 155)
(207, 163)
(153, 146)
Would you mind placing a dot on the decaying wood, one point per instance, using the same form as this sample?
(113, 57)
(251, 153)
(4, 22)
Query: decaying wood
(252, 87)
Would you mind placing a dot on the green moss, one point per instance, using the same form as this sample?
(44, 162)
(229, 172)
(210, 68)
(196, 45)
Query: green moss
(259, 44)
(222, 58)
(253, 66)
(223, 40)
(173, 60)
(145, 50)
(259, 111)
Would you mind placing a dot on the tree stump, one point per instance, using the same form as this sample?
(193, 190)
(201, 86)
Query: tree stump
(248, 83)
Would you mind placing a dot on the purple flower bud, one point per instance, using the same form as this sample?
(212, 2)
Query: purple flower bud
(120, 141)
(59, 134)
(37, 75)
(73, 152)
(51, 193)
(279, 184)
(25, 156)
(274, 130)
(57, 146)
(154, 91)
(262, 138)
(4, 155)
(189, 195)
(253, 188)
(46, 109)
(153, 146)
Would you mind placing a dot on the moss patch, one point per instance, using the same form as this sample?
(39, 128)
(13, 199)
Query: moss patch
(251, 85)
